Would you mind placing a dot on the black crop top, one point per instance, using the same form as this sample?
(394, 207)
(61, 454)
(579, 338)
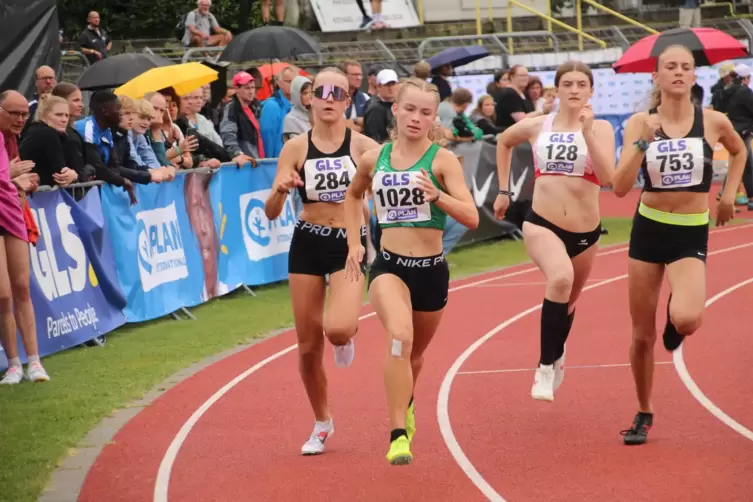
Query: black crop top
(326, 176)
(679, 164)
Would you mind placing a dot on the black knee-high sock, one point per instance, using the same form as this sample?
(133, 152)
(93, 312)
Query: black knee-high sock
(561, 347)
(361, 7)
(554, 326)
(672, 339)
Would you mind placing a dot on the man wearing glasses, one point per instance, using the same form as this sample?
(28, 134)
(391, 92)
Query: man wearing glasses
(45, 81)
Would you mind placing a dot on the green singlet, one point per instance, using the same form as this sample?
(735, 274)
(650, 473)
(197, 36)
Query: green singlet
(398, 200)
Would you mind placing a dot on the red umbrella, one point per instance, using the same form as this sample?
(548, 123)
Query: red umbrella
(708, 45)
(268, 71)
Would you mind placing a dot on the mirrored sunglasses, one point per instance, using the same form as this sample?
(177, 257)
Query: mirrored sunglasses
(325, 91)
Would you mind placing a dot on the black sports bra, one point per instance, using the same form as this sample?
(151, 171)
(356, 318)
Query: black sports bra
(679, 164)
(326, 176)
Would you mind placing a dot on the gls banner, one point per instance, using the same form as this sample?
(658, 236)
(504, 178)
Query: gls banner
(73, 284)
(156, 249)
(254, 249)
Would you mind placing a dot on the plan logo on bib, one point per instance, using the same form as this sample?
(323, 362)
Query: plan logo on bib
(161, 255)
(263, 237)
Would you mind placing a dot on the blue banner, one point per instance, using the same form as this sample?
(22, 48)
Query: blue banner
(74, 287)
(157, 255)
(254, 249)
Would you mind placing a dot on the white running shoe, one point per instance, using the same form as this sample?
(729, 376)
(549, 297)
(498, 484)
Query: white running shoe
(543, 387)
(559, 371)
(315, 443)
(36, 373)
(344, 354)
(13, 376)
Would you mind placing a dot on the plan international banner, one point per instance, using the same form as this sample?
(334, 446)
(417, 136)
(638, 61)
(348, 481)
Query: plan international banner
(254, 249)
(156, 248)
(73, 281)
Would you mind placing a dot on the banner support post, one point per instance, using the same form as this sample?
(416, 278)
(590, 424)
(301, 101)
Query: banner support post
(187, 313)
(249, 290)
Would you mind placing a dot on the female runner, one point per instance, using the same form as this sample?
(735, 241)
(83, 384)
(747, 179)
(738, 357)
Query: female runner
(416, 184)
(320, 165)
(573, 155)
(671, 145)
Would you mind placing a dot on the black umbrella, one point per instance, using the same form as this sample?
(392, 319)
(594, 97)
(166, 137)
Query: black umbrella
(458, 56)
(268, 43)
(115, 71)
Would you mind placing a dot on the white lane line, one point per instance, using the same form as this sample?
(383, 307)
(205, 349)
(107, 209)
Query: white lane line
(162, 483)
(443, 400)
(531, 370)
(696, 392)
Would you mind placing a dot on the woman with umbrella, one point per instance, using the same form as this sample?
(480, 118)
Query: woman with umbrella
(671, 145)
(321, 165)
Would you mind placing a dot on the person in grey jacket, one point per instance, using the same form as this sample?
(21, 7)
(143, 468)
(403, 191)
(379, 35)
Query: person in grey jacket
(239, 128)
(298, 121)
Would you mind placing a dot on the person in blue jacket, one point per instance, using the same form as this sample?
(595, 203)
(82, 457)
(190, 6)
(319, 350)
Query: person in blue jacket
(273, 112)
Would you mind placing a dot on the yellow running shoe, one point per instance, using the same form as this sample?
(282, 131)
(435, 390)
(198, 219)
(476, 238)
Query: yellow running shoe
(410, 422)
(399, 453)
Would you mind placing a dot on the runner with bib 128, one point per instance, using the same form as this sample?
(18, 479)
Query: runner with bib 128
(416, 184)
(672, 144)
(573, 156)
(320, 166)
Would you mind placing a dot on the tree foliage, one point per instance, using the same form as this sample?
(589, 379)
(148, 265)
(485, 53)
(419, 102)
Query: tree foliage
(133, 19)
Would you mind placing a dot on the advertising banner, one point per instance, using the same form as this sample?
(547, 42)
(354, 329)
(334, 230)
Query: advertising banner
(74, 286)
(254, 249)
(156, 247)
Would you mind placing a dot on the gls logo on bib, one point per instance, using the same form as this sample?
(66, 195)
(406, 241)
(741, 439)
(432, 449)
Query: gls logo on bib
(160, 249)
(263, 237)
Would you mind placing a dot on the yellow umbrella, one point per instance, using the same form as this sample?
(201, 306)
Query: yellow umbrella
(184, 78)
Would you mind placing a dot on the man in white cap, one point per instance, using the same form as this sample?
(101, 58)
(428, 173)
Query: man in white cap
(377, 119)
(726, 79)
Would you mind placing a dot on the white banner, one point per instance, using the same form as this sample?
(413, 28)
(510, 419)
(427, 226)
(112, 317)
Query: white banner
(344, 15)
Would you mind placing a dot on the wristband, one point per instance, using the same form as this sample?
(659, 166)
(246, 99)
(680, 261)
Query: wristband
(642, 145)
(436, 198)
(506, 192)
(177, 149)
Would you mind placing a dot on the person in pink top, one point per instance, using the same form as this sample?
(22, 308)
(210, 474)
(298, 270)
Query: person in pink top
(15, 275)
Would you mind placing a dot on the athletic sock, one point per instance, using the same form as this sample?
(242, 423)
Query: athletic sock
(15, 362)
(672, 339)
(34, 359)
(411, 401)
(561, 347)
(554, 322)
(396, 433)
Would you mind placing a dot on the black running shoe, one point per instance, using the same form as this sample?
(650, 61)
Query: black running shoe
(672, 339)
(638, 433)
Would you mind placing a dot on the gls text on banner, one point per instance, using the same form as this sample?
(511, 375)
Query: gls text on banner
(73, 282)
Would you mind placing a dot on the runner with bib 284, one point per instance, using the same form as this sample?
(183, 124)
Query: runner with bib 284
(672, 144)
(320, 166)
(573, 157)
(416, 184)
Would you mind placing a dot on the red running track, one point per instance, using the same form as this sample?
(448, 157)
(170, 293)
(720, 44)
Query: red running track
(245, 446)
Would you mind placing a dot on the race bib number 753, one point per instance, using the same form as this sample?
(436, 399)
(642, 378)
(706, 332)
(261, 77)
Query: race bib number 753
(675, 163)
